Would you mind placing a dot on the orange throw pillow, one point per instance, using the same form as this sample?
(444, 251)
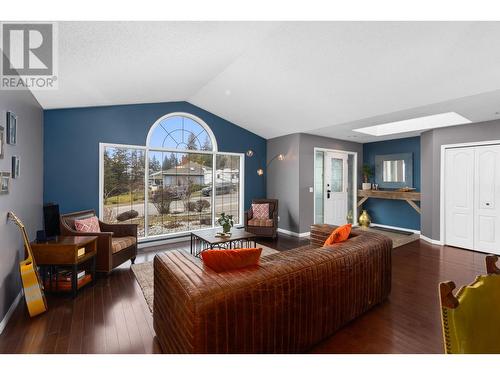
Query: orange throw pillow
(227, 260)
(339, 235)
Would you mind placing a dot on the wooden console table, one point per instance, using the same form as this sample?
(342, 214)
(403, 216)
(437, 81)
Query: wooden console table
(409, 196)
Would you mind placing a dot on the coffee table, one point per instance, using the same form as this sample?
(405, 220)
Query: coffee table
(206, 239)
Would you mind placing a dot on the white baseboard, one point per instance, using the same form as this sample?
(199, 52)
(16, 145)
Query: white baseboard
(294, 234)
(10, 311)
(396, 228)
(430, 240)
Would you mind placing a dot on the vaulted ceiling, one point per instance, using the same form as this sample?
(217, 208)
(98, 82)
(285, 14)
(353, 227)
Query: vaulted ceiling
(276, 78)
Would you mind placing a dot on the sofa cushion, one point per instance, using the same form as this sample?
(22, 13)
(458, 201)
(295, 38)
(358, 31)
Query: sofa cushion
(120, 243)
(227, 260)
(88, 225)
(260, 222)
(260, 210)
(340, 234)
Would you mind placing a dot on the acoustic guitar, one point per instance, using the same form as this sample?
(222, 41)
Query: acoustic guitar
(33, 289)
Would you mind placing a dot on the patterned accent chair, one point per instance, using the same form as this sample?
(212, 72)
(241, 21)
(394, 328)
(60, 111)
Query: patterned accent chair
(263, 227)
(116, 243)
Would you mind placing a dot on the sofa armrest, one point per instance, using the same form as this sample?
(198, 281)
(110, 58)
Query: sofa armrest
(119, 230)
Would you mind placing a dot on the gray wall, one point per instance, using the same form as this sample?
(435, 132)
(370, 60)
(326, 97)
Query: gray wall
(431, 143)
(25, 197)
(290, 179)
(283, 179)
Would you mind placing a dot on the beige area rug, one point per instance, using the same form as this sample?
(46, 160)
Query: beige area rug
(144, 273)
(398, 238)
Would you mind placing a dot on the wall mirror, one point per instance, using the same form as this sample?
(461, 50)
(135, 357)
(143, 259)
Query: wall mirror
(394, 171)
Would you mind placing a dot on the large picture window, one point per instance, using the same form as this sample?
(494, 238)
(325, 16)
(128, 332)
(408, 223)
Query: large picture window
(178, 182)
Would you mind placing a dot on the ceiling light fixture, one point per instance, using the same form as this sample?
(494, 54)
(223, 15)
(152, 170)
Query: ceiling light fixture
(415, 124)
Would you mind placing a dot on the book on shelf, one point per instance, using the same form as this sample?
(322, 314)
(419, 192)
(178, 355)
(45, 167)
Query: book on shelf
(80, 252)
(64, 285)
(65, 275)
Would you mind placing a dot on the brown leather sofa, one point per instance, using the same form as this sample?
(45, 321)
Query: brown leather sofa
(263, 228)
(287, 304)
(116, 243)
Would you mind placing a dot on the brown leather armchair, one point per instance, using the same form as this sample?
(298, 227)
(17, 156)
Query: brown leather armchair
(116, 243)
(267, 227)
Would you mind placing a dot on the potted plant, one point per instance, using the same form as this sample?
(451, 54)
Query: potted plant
(226, 221)
(367, 173)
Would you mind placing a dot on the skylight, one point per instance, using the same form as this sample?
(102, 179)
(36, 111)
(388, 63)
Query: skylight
(415, 124)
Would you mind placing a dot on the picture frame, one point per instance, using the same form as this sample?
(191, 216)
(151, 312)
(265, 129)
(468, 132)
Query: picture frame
(4, 182)
(2, 145)
(16, 167)
(11, 128)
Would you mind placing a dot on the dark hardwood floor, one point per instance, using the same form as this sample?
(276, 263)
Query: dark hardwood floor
(112, 316)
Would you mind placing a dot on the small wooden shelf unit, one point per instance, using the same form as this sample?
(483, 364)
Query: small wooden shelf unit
(409, 196)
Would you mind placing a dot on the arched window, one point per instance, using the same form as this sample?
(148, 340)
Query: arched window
(177, 183)
(181, 132)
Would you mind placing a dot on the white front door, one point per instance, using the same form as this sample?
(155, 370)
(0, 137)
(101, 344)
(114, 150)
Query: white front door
(459, 197)
(335, 194)
(487, 199)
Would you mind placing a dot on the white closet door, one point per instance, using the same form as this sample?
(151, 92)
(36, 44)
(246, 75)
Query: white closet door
(459, 197)
(487, 199)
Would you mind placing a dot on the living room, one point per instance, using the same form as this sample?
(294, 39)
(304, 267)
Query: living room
(249, 187)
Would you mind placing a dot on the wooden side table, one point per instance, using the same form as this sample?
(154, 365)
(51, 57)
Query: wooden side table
(63, 253)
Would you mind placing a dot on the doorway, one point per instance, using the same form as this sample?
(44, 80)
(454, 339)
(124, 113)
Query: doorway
(334, 186)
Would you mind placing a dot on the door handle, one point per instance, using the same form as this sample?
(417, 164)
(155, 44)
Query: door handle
(328, 194)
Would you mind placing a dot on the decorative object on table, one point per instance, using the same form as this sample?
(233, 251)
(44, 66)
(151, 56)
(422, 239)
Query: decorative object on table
(367, 173)
(394, 171)
(11, 128)
(2, 146)
(51, 222)
(375, 187)
(364, 219)
(260, 171)
(16, 167)
(226, 221)
(4, 182)
(32, 285)
(406, 189)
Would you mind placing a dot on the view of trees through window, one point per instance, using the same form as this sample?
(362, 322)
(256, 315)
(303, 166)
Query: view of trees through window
(184, 191)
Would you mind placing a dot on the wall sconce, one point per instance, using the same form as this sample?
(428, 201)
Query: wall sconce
(250, 153)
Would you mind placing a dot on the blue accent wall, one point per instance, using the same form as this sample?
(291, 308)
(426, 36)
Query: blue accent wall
(393, 212)
(72, 137)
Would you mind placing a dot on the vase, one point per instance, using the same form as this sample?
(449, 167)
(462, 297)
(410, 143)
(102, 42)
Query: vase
(364, 219)
(366, 186)
(226, 228)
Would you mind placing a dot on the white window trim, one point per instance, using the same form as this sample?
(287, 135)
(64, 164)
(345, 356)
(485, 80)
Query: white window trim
(214, 152)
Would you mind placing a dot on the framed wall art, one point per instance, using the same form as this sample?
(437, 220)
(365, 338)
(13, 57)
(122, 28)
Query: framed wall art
(11, 128)
(16, 165)
(4, 182)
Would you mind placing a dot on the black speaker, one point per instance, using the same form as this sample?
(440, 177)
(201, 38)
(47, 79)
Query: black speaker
(51, 220)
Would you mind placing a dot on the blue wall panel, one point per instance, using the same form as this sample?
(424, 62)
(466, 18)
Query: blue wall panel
(72, 137)
(392, 212)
